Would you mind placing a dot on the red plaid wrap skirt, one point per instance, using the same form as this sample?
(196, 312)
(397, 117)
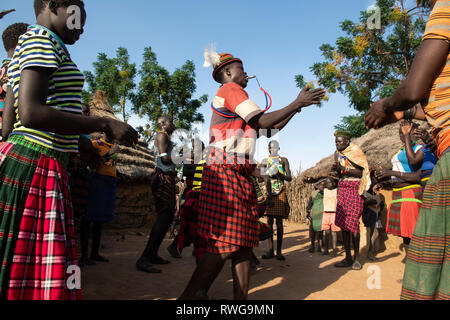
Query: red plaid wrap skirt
(228, 213)
(37, 240)
(350, 205)
(188, 233)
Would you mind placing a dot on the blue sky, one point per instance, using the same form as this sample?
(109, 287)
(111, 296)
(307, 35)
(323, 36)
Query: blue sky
(276, 40)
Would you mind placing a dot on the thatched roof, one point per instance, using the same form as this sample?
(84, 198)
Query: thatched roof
(133, 164)
(378, 145)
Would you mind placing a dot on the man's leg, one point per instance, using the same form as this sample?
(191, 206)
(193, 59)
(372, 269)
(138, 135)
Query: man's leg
(312, 236)
(157, 235)
(84, 241)
(326, 241)
(334, 242)
(270, 254)
(347, 262)
(319, 235)
(204, 275)
(280, 232)
(370, 233)
(356, 239)
(241, 273)
(97, 234)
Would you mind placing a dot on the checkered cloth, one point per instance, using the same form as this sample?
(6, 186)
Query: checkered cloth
(41, 226)
(188, 233)
(350, 206)
(281, 206)
(220, 247)
(228, 201)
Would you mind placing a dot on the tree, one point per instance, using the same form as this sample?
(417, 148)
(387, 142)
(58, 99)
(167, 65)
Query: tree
(369, 63)
(161, 93)
(116, 77)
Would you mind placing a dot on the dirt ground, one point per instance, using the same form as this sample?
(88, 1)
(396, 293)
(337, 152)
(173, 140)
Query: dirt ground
(302, 276)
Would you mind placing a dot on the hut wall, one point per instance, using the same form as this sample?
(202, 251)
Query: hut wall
(134, 205)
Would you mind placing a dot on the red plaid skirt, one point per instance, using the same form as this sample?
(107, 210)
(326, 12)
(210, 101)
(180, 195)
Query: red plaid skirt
(228, 206)
(43, 253)
(349, 207)
(188, 233)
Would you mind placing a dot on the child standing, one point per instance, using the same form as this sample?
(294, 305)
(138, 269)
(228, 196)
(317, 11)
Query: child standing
(315, 215)
(329, 214)
(101, 201)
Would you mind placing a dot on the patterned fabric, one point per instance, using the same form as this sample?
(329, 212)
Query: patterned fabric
(264, 231)
(79, 187)
(228, 210)
(281, 206)
(224, 59)
(437, 110)
(349, 206)
(197, 183)
(36, 226)
(354, 154)
(277, 184)
(404, 210)
(163, 189)
(108, 168)
(39, 47)
(233, 135)
(3, 82)
(220, 247)
(317, 212)
(427, 270)
(188, 233)
(400, 162)
(260, 194)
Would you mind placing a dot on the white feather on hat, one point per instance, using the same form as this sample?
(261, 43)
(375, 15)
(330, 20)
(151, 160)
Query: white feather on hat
(212, 58)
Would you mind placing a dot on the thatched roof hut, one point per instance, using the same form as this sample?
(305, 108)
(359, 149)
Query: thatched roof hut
(135, 165)
(378, 145)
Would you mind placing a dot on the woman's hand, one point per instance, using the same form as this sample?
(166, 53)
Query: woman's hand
(382, 174)
(405, 127)
(122, 132)
(379, 115)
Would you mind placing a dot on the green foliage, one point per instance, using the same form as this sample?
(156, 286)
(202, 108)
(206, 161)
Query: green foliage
(116, 77)
(158, 92)
(365, 64)
(161, 93)
(353, 124)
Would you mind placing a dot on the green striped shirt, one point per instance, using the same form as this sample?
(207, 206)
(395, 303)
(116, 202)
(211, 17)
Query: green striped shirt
(39, 47)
